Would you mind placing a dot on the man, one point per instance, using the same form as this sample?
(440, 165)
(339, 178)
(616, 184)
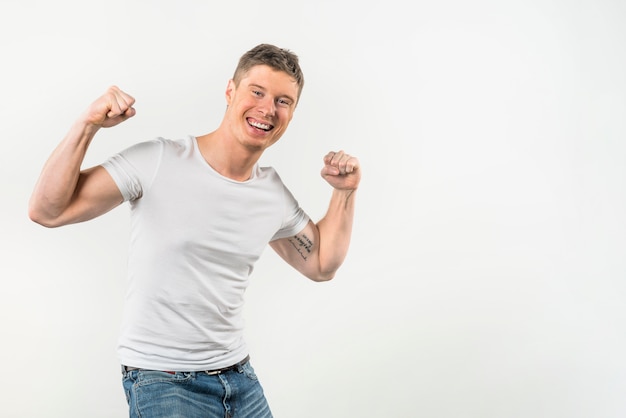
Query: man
(203, 211)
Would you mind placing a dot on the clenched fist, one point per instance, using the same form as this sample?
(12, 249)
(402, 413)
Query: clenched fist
(341, 170)
(110, 109)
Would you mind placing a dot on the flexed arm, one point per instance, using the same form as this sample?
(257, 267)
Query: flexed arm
(64, 194)
(320, 249)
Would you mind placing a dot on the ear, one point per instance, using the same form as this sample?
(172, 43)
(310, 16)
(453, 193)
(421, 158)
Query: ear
(230, 90)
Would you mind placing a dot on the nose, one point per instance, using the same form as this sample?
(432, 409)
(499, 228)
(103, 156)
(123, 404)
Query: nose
(267, 107)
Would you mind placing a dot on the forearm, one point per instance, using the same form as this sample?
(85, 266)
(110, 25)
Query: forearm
(320, 249)
(335, 231)
(60, 175)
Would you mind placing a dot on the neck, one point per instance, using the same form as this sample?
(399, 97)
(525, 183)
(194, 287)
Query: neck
(226, 157)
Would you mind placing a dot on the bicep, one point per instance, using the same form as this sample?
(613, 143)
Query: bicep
(96, 193)
(300, 250)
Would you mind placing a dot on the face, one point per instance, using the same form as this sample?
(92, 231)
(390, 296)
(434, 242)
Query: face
(261, 107)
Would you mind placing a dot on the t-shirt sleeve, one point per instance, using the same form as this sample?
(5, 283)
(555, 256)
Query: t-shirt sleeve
(134, 168)
(295, 217)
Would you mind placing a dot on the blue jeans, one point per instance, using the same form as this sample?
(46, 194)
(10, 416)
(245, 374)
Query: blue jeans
(235, 393)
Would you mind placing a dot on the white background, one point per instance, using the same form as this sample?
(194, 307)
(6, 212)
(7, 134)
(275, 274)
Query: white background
(486, 276)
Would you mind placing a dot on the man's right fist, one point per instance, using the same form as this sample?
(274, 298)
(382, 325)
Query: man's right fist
(110, 109)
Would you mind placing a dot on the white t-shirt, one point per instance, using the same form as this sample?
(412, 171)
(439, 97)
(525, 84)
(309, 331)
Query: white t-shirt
(195, 236)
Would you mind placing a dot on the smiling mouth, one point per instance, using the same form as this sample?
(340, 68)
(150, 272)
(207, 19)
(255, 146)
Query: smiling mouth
(260, 125)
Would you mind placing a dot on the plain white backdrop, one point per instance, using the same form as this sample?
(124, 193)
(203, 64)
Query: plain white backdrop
(486, 278)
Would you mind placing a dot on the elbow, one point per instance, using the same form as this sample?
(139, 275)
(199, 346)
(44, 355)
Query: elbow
(42, 220)
(325, 271)
(323, 276)
(39, 216)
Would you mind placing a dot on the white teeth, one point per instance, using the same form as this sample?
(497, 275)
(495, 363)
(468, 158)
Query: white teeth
(260, 125)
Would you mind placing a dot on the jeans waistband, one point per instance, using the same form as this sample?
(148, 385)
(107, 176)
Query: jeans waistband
(126, 369)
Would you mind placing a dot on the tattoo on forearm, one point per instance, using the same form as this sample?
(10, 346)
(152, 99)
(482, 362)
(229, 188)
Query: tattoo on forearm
(302, 244)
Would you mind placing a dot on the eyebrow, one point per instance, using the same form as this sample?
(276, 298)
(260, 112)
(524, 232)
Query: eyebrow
(264, 89)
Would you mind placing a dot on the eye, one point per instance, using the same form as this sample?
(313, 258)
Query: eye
(257, 93)
(284, 102)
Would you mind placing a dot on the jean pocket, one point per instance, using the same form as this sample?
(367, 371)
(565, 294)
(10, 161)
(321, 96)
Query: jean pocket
(128, 381)
(248, 370)
(146, 377)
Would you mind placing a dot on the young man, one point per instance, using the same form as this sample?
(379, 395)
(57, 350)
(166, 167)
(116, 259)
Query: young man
(203, 211)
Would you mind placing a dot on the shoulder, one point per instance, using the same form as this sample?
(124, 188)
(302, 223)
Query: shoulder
(161, 145)
(269, 175)
(185, 143)
(267, 172)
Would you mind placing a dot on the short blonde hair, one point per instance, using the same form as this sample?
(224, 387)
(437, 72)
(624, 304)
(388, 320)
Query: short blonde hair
(279, 59)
